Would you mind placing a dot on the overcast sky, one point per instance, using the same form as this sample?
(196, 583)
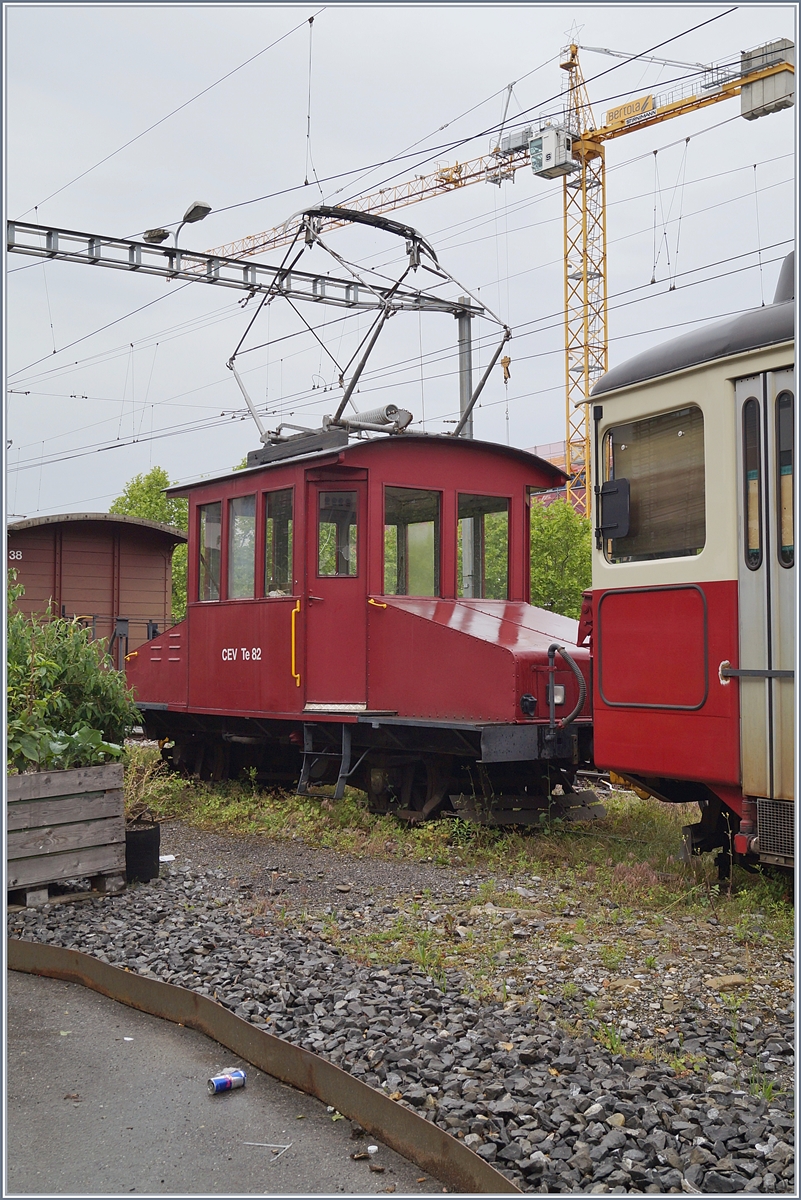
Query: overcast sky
(411, 87)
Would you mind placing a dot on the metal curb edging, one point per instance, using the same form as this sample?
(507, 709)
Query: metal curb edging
(420, 1141)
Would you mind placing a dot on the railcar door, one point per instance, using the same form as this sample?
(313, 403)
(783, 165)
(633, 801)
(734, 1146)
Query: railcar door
(336, 596)
(767, 595)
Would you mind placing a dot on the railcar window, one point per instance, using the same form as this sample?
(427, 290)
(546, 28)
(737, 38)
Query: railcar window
(337, 533)
(482, 548)
(209, 552)
(785, 421)
(752, 470)
(663, 459)
(411, 542)
(241, 547)
(278, 543)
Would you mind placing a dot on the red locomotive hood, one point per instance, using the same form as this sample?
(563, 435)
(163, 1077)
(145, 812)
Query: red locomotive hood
(512, 624)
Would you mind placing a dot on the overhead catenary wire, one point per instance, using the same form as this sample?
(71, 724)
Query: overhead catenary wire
(70, 368)
(167, 117)
(540, 392)
(309, 157)
(759, 237)
(590, 79)
(456, 144)
(56, 373)
(201, 426)
(663, 240)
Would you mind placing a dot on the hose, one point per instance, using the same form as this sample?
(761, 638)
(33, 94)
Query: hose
(552, 649)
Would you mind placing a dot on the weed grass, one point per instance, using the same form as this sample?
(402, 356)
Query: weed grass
(623, 867)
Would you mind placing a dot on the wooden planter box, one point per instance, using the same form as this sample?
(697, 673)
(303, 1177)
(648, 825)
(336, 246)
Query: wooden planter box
(65, 825)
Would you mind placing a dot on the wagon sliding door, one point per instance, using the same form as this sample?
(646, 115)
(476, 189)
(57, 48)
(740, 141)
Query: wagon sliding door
(767, 582)
(336, 596)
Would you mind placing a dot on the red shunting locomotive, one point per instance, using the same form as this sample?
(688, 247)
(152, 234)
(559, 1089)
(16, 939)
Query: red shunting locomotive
(359, 613)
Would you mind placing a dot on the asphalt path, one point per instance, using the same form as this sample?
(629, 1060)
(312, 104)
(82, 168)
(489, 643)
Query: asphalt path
(105, 1100)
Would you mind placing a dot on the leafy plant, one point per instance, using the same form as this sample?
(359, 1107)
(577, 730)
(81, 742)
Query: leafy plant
(760, 1085)
(66, 705)
(609, 1037)
(612, 956)
(149, 783)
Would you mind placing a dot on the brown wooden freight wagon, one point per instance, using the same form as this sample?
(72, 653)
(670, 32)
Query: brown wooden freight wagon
(113, 572)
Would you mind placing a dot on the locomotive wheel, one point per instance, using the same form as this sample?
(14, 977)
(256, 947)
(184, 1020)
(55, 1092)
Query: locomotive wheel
(218, 761)
(414, 789)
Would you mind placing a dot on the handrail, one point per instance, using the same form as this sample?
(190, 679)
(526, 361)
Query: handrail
(295, 673)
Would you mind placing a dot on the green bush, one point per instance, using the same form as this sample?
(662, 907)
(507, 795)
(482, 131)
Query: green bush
(67, 706)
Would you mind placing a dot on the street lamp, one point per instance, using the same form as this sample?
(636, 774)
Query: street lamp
(197, 210)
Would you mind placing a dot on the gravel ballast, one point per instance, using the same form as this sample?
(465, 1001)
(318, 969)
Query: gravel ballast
(525, 1082)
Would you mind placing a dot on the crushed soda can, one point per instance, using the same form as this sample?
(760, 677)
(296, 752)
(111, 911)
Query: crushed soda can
(230, 1078)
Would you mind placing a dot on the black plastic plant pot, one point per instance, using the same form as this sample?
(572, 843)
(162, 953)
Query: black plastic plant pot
(142, 844)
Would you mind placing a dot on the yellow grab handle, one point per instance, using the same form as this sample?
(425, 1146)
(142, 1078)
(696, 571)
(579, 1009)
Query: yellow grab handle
(295, 674)
(376, 603)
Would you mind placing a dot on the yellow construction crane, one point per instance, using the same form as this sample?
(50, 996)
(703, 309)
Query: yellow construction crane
(574, 150)
(763, 79)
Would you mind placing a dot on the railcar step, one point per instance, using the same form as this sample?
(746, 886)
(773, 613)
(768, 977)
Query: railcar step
(312, 757)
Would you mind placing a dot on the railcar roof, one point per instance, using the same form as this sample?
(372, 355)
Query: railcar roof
(405, 443)
(768, 326)
(176, 535)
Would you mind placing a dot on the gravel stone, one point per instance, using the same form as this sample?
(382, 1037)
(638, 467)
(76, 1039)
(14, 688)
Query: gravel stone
(525, 1084)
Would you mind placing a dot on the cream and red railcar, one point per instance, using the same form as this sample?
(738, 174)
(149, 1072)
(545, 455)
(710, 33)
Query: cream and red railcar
(694, 607)
(358, 611)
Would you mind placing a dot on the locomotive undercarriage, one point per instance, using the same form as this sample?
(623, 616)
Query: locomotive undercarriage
(414, 771)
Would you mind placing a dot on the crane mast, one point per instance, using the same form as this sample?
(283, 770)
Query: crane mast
(586, 342)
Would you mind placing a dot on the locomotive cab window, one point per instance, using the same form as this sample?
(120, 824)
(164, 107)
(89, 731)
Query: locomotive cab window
(482, 550)
(786, 477)
(278, 543)
(411, 542)
(337, 533)
(241, 547)
(658, 464)
(210, 524)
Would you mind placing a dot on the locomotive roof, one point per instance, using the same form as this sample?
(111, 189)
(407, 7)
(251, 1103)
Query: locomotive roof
(176, 535)
(768, 326)
(405, 443)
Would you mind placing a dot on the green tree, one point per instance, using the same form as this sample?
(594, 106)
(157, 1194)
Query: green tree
(144, 497)
(561, 557)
